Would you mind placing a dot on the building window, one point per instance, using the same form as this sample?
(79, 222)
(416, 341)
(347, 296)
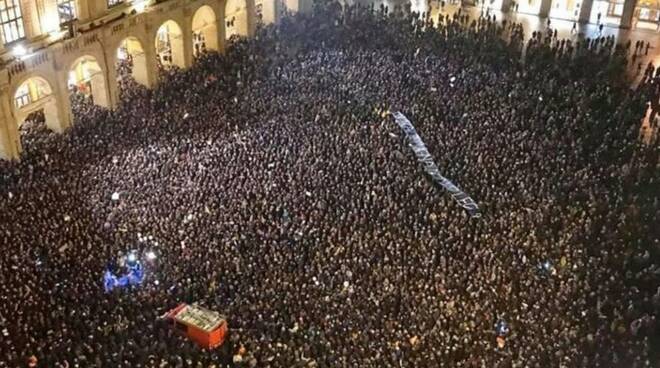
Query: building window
(112, 3)
(22, 96)
(11, 20)
(66, 9)
(647, 14)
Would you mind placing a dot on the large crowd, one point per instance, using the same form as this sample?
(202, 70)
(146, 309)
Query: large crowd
(273, 186)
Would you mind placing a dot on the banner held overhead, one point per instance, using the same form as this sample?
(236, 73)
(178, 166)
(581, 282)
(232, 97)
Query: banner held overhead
(424, 157)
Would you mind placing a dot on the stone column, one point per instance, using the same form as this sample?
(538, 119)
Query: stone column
(251, 17)
(545, 8)
(221, 28)
(64, 113)
(99, 9)
(151, 65)
(113, 85)
(506, 6)
(628, 11)
(91, 9)
(585, 11)
(187, 41)
(83, 10)
(32, 13)
(277, 7)
(10, 140)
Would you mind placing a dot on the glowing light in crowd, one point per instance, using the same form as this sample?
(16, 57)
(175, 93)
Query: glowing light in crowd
(132, 257)
(151, 255)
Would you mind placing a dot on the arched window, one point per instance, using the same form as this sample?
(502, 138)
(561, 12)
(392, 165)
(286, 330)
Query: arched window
(205, 30)
(131, 60)
(11, 20)
(236, 18)
(647, 13)
(22, 96)
(169, 45)
(86, 78)
(31, 91)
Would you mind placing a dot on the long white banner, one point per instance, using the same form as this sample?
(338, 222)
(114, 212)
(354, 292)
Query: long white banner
(424, 157)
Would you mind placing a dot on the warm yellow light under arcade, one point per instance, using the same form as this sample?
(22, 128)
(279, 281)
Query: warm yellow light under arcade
(86, 76)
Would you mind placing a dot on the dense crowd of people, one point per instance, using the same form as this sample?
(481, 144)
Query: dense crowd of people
(273, 186)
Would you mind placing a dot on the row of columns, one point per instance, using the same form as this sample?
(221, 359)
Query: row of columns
(584, 13)
(145, 69)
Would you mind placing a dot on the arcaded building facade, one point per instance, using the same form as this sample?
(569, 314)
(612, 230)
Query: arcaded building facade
(50, 48)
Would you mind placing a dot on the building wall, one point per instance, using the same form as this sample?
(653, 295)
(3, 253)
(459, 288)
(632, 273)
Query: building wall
(49, 52)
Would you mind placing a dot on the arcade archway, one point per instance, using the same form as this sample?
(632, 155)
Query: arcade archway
(169, 45)
(131, 60)
(236, 18)
(86, 78)
(35, 103)
(204, 30)
(266, 11)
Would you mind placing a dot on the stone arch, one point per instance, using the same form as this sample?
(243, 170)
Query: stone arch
(35, 94)
(169, 45)
(237, 18)
(267, 11)
(86, 76)
(204, 30)
(131, 58)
